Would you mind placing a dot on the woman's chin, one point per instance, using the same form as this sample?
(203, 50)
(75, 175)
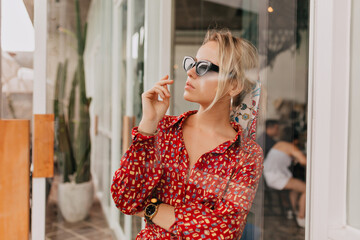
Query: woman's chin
(187, 97)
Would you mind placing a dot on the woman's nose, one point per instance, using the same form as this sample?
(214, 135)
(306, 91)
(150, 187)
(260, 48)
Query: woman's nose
(191, 72)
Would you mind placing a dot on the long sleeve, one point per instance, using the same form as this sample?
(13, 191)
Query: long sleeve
(139, 173)
(228, 217)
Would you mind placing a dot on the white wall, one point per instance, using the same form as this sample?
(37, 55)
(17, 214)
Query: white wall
(287, 79)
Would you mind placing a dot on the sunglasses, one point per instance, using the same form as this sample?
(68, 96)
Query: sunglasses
(201, 67)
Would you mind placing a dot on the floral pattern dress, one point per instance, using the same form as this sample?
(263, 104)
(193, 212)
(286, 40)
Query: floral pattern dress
(215, 200)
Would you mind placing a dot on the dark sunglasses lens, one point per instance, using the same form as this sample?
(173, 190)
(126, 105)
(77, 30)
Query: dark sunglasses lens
(202, 68)
(188, 63)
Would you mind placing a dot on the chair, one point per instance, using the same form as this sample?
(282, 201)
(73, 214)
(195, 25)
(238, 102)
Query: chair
(283, 202)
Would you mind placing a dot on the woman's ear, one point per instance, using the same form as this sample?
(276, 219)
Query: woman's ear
(235, 88)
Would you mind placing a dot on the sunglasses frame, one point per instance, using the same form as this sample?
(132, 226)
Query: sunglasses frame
(211, 66)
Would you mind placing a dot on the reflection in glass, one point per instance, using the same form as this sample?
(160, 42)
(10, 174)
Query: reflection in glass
(17, 85)
(17, 51)
(123, 18)
(137, 55)
(279, 29)
(138, 40)
(192, 19)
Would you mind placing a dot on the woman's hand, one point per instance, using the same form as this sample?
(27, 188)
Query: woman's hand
(153, 109)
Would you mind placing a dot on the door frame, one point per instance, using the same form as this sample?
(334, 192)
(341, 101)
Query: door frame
(329, 71)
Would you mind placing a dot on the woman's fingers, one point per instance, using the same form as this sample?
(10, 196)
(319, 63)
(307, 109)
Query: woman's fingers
(165, 77)
(159, 91)
(164, 82)
(163, 90)
(166, 85)
(152, 93)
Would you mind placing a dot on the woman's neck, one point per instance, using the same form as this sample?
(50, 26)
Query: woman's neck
(216, 118)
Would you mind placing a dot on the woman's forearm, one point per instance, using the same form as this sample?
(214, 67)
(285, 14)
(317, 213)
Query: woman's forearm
(165, 216)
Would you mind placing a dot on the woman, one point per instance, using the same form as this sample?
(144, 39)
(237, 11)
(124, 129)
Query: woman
(278, 176)
(194, 176)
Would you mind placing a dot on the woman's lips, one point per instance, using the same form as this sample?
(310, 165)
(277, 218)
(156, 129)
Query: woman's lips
(188, 85)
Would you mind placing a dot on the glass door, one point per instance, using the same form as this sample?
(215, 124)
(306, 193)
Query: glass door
(128, 75)
(279, 30)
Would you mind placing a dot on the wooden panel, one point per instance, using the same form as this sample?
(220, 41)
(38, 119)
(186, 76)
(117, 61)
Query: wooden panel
(128, 124)
(96, 128)
(14, 179)
(43, 145)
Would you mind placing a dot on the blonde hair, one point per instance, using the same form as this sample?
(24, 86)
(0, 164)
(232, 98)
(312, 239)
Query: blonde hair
(238, 62)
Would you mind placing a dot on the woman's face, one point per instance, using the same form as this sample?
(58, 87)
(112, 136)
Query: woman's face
(202, 89)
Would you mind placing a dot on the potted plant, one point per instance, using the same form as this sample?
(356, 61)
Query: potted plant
(72, 135)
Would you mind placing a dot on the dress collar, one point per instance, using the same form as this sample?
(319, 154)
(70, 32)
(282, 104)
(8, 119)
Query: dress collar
(179, 120)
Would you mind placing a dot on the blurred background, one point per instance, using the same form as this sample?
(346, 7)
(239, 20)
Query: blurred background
(100, 57)
(126, 47)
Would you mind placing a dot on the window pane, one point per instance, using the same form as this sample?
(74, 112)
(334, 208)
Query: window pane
(16, 83)
(122, 72)
(279, 30)
(353, 194)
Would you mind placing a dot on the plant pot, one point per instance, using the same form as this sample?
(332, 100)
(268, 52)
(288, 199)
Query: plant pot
(75, 200)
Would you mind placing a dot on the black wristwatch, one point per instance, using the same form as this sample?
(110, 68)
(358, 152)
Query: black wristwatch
(151, 209)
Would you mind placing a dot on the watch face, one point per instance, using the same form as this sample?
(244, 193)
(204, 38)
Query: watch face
(150, 209)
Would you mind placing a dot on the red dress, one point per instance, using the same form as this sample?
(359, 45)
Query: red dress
(215, 201)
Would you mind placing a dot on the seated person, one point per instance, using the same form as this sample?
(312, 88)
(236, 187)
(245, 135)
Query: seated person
(267, 139)
(278, 176)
